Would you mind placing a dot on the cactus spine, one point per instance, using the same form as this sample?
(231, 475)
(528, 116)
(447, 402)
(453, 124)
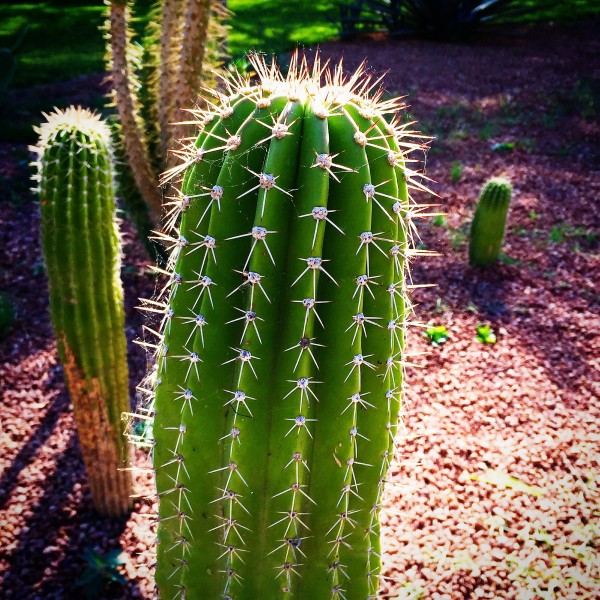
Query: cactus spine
(489, 222)
(82, 253)
(281, 349)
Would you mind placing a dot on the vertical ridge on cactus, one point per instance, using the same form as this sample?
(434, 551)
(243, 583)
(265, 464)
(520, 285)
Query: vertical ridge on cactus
(489, 222)
(82, 253)
(281, 347)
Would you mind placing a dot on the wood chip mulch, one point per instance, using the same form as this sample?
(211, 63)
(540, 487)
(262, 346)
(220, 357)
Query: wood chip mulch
(495, 493)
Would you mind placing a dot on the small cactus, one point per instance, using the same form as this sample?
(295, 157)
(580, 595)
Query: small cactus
(82, 252)
(489, 222)
(281, 344)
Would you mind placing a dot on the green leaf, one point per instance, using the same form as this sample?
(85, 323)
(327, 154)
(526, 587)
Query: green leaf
(93, 559)
(116, 577)
(114, 558)
(503, 147)
(87, 577)
(101, 569)
(437, 334)
(485, 334)
(92, 583)
(508, 260)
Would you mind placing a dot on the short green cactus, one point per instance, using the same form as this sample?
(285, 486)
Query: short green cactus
(281, 349)
(82, 253)
(489, 222)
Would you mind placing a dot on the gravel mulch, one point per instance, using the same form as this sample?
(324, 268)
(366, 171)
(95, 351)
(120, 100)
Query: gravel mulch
(495, 493)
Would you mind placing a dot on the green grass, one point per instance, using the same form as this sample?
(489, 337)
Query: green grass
(565, 232)
(62, 42)
(456, 172)
(275, 26)
(556, 11)
(64, 39)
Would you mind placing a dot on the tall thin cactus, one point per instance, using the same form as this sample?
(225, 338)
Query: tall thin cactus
(281, 347)
(489, 222)
(82, 252)
(156, 74)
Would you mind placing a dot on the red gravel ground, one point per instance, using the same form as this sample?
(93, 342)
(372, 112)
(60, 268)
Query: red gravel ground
(496, 491)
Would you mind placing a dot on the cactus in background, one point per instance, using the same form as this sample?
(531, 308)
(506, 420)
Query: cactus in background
(82, 253)
(280, 348)
(489, 222)
(153, 77)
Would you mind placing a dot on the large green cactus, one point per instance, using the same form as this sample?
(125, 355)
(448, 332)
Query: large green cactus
(489, 222)
(280, 360)
(82, 253)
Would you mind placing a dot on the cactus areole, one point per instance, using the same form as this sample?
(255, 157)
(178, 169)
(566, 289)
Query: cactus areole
(280, 357)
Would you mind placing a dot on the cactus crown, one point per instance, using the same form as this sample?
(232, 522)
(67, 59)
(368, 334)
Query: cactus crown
(497, 189)
(281, 338)
(72, 121)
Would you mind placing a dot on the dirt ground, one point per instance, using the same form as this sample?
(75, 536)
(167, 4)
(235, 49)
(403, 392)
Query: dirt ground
(496, 491)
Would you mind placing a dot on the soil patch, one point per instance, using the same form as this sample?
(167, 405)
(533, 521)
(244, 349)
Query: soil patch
(495, 492)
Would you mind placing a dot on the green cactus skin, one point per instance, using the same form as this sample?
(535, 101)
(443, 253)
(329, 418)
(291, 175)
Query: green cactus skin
(82, 252)
(489, 222)
(281, 350)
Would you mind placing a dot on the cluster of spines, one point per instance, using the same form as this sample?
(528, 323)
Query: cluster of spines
(389, 236)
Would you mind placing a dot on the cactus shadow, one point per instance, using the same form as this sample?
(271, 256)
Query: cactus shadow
(536, 326)
(48, 557)
(487, 290)
(497, 295)
(10, 478)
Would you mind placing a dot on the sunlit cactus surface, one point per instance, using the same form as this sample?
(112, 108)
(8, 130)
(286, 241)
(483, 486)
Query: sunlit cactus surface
(82, 253)
(281, 341)
(489, 222)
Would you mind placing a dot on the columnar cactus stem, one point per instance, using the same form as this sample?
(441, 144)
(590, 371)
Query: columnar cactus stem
(489, 222)
(127, 107)
(167, 100)
(81, 250)
(281, 350)
(183, 46)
